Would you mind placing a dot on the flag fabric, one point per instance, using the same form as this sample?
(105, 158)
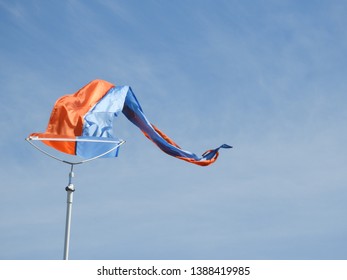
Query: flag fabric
(87, 116)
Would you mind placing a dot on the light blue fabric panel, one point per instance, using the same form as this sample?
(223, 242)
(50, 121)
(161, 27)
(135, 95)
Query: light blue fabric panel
(93, 149)
(98, 122)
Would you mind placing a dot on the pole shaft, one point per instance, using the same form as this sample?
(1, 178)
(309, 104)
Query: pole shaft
(69, 190)
(68, 224)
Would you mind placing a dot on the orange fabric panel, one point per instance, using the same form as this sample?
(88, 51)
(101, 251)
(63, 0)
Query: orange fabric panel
(63, 146)
(67, 115)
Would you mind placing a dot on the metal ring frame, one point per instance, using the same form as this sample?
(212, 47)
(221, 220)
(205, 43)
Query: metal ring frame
(30, 139)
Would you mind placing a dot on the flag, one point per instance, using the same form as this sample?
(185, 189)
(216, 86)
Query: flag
(82, 124)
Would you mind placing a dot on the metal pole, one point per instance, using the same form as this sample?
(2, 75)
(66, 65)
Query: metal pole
(70, 190)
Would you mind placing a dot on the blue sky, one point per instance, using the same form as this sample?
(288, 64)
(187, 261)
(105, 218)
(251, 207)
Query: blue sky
(268, 77)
